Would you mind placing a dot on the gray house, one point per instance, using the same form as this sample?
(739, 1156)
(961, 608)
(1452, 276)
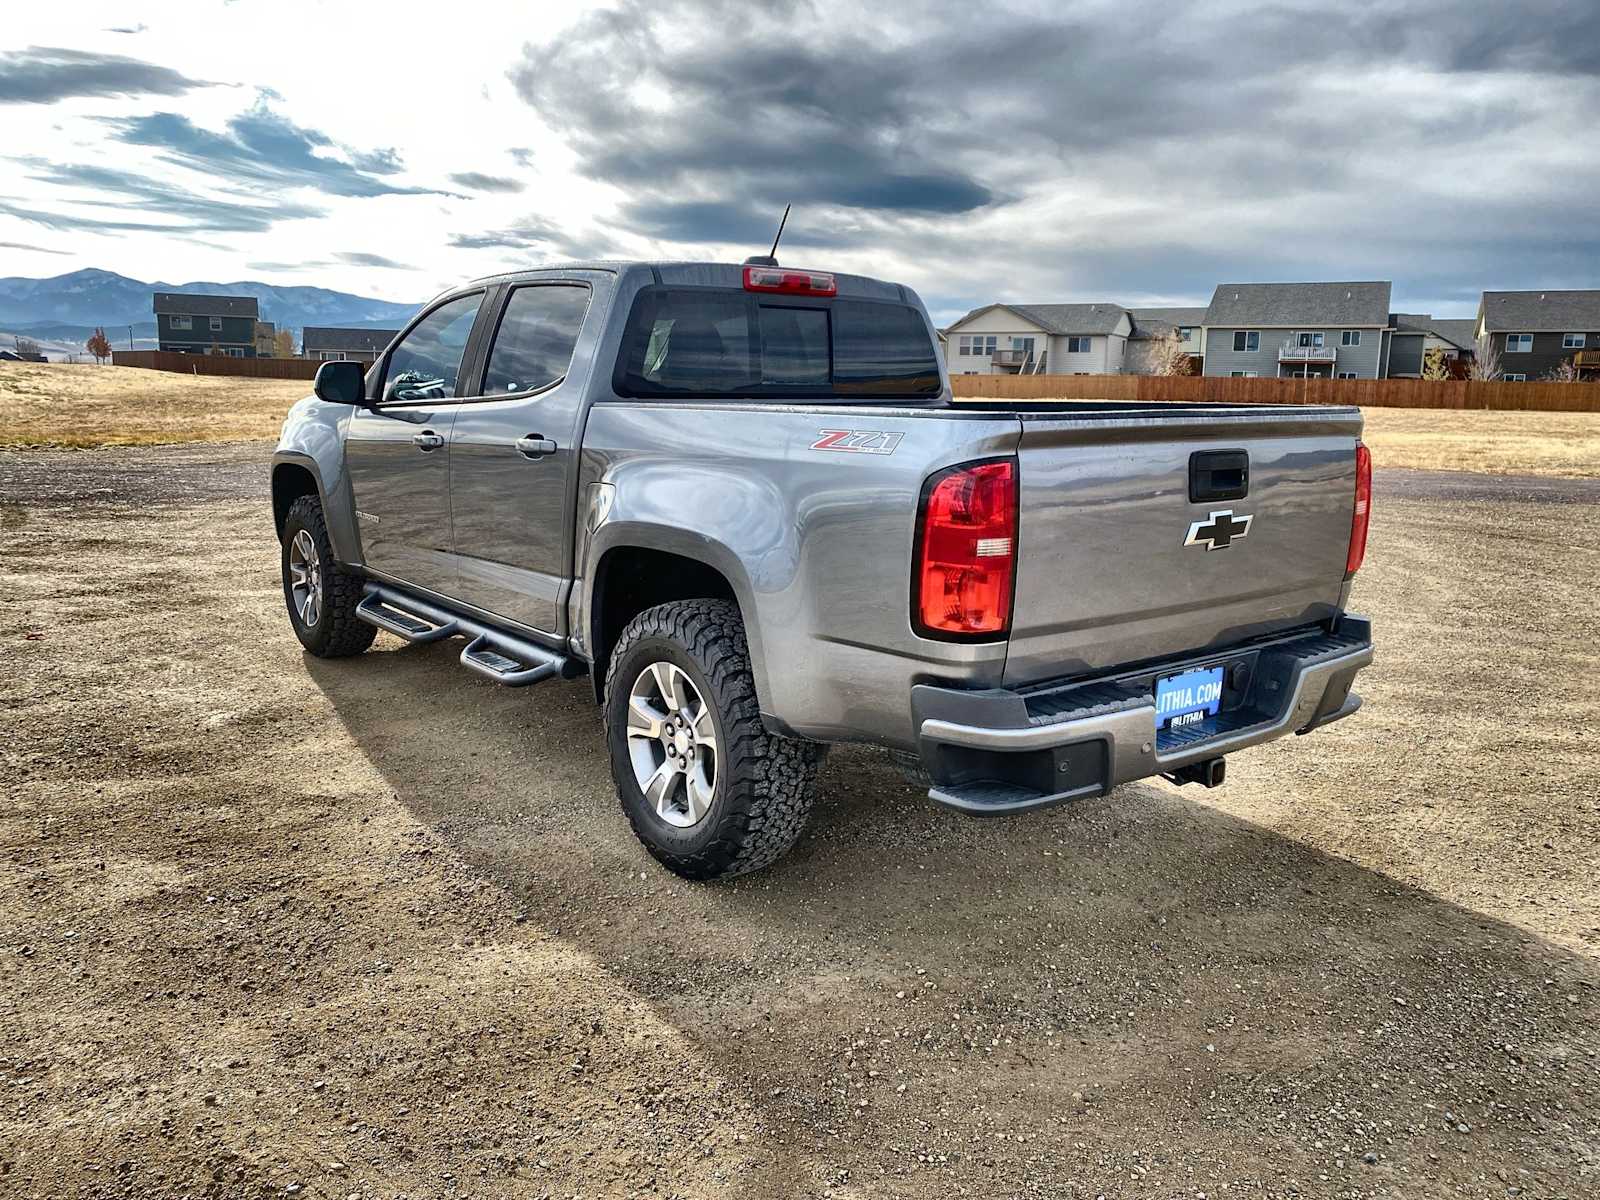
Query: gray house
(193, 324)
(355, 345)
(1412, 335)
(1327, 330)
(1535, 331)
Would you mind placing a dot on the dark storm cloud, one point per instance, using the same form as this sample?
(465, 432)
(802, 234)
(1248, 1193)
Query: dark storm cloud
(107, 188)
(262, 147)
(477, 181)
(750, 113)
(45, 74)
(1100, 150)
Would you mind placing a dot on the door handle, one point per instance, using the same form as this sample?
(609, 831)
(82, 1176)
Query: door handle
(535, 447)
(427, 440)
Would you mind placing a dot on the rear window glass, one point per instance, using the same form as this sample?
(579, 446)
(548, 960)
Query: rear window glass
(722, 341)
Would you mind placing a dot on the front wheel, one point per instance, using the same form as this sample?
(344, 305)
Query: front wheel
(321, 595)
(708, 789)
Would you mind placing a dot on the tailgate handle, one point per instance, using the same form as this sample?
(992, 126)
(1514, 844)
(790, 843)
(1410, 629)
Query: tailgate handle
(1219, 475)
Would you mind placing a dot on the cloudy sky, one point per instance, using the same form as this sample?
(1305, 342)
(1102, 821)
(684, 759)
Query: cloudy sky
(1138, 153)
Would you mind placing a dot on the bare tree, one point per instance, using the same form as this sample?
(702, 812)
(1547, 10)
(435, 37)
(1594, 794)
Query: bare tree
(1485, 365)
(98, 346)
(1435, 364)
(1169, 355)
(1565, 371)
(283, 344)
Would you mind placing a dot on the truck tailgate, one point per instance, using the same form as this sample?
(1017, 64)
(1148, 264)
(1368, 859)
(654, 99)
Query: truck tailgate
(1104, 574)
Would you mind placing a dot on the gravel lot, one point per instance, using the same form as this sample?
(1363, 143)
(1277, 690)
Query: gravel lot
(273, 926)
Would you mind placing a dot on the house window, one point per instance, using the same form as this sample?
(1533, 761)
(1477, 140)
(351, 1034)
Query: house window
(1246, 340)
(964, 346)
(1516, 378)
(1350, 337)
(1519, 343)
(989, 344)
(1347, 374)
(1310, 340)
(1186, 333)
(182, 323)
(1572, 341)
(1078, 345)
(1241, 374)
(216, 324)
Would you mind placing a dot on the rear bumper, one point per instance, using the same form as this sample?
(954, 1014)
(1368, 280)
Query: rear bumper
(998, 751)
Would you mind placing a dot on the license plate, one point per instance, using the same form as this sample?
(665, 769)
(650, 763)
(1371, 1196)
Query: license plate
(1188, 699)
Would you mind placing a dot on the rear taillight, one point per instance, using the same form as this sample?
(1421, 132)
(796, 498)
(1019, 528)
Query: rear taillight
(967, 551)
(1363, 512)
(794, 283)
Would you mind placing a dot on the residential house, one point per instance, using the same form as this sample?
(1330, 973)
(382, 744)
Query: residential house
(194, 324)
(1412, 335)
(1152, 324)
(1061, 339)
(1328, 330)
(354, 345)
(1534, 332)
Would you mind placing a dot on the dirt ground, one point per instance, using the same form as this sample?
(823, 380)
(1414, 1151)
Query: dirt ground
(271, 926)
(66, 404)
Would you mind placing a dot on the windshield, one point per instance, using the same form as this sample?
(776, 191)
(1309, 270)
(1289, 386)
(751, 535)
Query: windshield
(729, 342)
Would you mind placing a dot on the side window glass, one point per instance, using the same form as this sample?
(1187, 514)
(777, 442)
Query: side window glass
(425, 364)
(533, 346)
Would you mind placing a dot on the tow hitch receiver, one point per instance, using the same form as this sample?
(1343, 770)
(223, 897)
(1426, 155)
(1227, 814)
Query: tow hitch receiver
(1210, 772)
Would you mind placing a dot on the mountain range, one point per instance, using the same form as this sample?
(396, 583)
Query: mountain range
(63, 305)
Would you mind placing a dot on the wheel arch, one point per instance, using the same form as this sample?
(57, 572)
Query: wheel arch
(291, 479)
(630, 577)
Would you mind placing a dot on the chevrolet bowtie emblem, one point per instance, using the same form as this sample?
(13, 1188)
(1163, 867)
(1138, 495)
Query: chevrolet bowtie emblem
(1219, 530)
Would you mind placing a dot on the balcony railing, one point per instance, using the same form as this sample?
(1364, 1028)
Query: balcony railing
(1011, 358)
(1586, 358)
(1291, 351)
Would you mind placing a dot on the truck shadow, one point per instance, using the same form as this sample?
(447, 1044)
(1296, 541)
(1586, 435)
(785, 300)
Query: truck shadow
(1116, 966)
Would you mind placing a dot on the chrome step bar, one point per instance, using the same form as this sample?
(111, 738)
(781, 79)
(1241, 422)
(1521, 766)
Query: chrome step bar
(509, 660)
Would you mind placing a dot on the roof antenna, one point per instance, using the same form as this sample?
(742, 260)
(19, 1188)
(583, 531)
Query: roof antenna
(770, 260)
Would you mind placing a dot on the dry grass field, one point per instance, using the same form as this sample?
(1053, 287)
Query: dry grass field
(85, 406)
(1498, 443)
(57, 404)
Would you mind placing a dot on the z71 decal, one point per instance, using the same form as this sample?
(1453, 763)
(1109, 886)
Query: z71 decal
(857, 441)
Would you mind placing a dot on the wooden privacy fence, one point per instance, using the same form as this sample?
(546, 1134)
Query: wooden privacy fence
(1376, 393)
(216, 364)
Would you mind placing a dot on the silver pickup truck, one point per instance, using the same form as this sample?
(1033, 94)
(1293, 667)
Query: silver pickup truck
(741, 500)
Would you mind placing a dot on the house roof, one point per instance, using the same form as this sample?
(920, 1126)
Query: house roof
(1300, 304)
(1059, 319)
(193, 304)
(1461, 332)
(1458, 332)
(1158, 322)
(1541, 312)
(322, 337)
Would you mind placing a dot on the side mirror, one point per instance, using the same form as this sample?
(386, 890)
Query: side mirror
(341, 382)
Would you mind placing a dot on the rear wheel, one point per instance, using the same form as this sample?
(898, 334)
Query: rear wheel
(708, 789)
(321, 595)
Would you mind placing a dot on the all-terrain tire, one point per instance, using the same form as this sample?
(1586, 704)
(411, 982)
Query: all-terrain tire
(337, 632)
(765, 783)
